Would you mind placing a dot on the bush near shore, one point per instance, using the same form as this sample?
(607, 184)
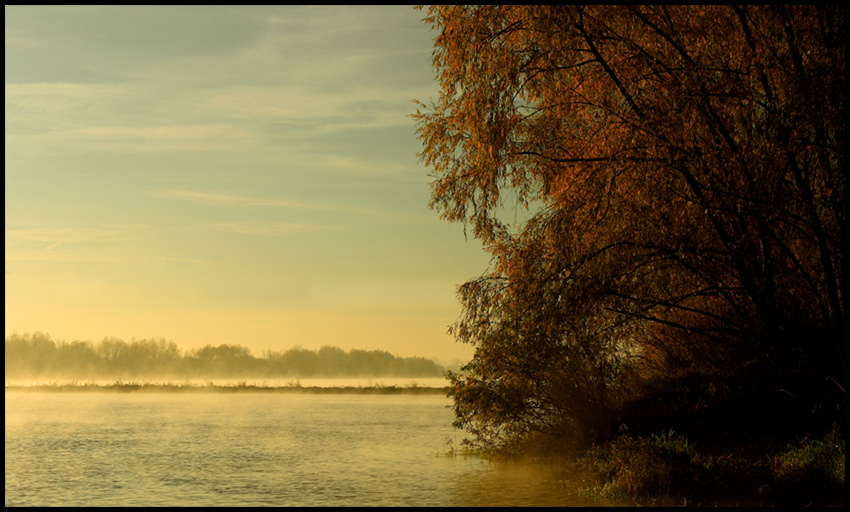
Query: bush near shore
(669, 470)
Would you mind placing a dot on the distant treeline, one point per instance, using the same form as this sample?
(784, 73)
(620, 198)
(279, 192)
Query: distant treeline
(36, 355)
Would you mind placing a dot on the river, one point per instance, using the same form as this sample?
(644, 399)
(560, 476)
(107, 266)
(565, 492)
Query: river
(253, 449)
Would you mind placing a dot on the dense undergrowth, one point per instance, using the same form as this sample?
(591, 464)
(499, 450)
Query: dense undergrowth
(748, 438)
(668, 469)
(769, 443)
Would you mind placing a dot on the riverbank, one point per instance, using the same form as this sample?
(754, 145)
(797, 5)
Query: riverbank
(243, 386)
(668, 470)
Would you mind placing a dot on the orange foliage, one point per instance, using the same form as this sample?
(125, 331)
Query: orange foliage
(685, 170)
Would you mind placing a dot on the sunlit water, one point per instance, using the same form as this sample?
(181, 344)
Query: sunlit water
(243, 449)
(249, 449)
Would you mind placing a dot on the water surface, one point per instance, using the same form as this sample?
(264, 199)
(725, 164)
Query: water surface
(249, 449)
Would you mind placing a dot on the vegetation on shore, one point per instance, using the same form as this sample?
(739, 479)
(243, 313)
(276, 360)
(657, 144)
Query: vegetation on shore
(412, 388)
(37, 356)
(662, 191)
(668, 469)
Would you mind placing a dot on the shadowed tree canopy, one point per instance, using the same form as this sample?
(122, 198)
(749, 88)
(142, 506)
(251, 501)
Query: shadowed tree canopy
(683, 168)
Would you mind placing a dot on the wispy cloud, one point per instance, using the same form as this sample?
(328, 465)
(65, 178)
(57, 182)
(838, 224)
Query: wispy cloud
(50, 238)
(115, 118)
(111, 244)
(146, 117)
(238, 200)
(286, 80)
(351, 108)
(266, 228)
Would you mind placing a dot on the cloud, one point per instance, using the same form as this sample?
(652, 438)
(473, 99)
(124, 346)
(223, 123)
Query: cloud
(266, 228)
(355, 106)
(303, 122)
(294, 83)
(237, 200)
(45, 107)
(56, 117)
(102, 245)
(54, 237)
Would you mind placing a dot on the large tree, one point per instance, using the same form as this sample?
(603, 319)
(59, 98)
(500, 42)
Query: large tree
(683, 168)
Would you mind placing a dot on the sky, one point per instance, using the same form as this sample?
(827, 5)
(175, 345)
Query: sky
(239, 175)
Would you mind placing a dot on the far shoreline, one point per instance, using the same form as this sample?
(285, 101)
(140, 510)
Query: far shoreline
(121, 387)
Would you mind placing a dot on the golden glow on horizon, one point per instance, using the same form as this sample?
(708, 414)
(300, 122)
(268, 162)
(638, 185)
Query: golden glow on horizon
(251, 179)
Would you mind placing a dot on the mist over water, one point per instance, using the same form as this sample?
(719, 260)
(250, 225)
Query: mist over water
(243, 449)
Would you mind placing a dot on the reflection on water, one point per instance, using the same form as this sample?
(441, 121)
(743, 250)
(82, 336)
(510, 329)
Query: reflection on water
(167, 449)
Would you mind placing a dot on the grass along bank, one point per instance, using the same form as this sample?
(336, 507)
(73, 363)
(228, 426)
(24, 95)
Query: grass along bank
(667, 469)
